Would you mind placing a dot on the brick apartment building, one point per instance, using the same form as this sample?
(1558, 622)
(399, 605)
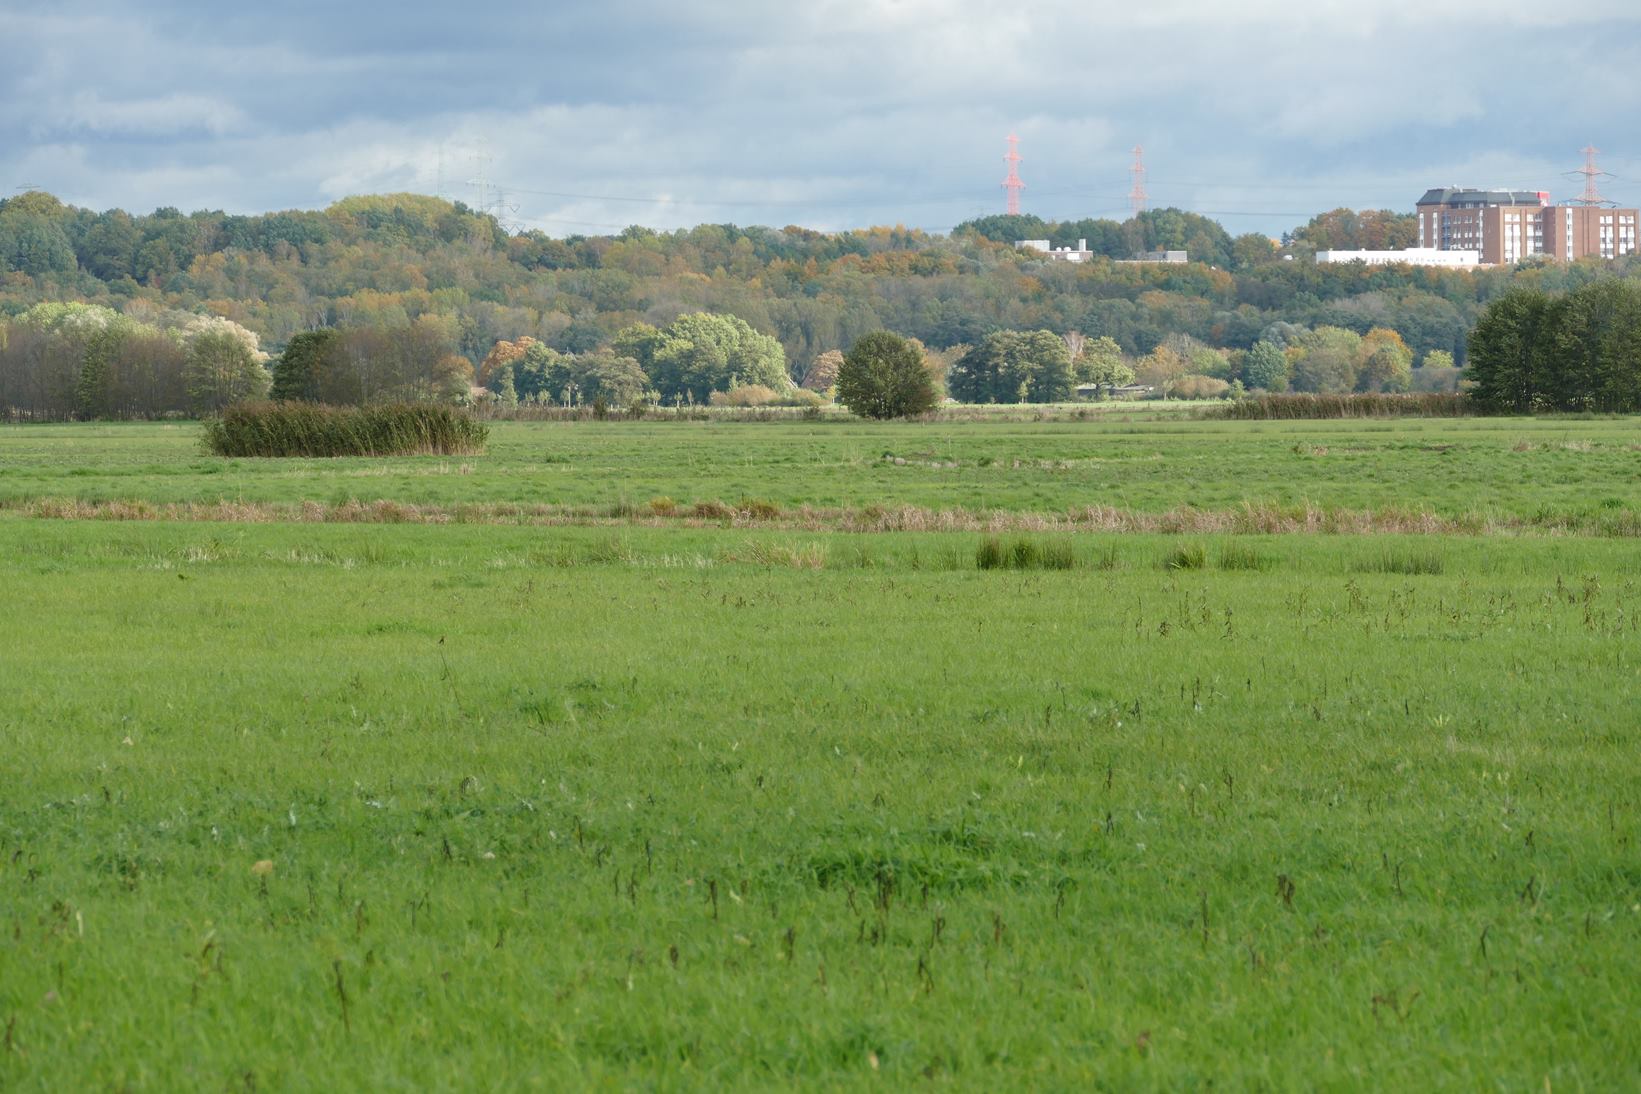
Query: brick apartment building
(1506, 226)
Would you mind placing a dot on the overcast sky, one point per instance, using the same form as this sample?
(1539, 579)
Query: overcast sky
(830, 113)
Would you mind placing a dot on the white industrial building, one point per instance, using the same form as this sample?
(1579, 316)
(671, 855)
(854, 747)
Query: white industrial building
(1413, 256)
(1079, 253)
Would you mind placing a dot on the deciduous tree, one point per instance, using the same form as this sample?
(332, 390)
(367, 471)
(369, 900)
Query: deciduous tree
(1102, 364)
(1510, 349)
(224, 366)
(1264, 367)
(1013, 367)
(823, 373)
(305, 370)
(883, 376)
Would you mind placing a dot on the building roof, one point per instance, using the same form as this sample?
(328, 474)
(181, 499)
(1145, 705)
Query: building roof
(1468, 198)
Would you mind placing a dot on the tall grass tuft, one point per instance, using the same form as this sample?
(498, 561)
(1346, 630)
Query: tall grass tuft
(1433, 404)
(312, 429)
(1239, 556)
(1024, 553)
(1187, 556)
(1405, 562)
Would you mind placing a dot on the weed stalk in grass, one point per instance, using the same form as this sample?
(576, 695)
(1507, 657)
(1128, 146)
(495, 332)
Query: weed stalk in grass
(342, 996)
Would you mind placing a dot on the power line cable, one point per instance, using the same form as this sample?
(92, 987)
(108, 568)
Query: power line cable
(740, 203)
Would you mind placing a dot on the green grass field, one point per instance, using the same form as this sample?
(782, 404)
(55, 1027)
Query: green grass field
(707, 804)
(1514, 467)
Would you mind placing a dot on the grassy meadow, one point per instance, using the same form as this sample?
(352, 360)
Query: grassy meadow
(1498, 466)
(743, 800)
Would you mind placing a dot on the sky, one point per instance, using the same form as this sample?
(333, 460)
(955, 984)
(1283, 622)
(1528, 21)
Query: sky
(583, 118)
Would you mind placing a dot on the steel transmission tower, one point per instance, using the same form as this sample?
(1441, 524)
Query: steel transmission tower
(1137, 196)
(1591, 195)
(1012, 185)
(481, 181)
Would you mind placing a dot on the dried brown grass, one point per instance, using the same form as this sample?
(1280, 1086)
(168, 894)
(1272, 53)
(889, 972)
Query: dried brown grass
(1248, 519)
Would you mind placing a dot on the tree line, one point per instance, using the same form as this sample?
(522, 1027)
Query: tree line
(1579, 351)
(386, 260)
(61, 361)
(417, 286)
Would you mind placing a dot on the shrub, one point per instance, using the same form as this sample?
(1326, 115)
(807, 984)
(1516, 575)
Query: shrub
(1199, 387)
(746, 395)
(712, 510)
(759, 509)
(312, 429)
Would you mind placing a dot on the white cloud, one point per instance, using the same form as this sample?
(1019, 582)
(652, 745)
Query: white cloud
(169, 115)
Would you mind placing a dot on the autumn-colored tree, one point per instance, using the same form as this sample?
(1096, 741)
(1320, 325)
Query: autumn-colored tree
(1384, 363)
(503, 353)
(1161, 368)
(410, 282)
(823, 373)
(1369, 229)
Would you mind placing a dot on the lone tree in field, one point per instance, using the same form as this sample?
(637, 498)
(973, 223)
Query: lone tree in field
(882, 376)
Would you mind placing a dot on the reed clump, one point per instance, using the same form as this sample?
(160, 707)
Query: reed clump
(314, 429)
(1433, 404)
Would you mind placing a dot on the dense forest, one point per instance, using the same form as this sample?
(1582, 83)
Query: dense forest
(434, 286)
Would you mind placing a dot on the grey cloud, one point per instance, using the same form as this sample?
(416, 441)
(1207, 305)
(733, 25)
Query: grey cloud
(832, 113)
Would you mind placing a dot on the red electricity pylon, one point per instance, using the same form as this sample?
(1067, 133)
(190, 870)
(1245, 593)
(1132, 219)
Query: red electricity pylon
(1137, 196)
(1591, 195)
(1012, 185)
